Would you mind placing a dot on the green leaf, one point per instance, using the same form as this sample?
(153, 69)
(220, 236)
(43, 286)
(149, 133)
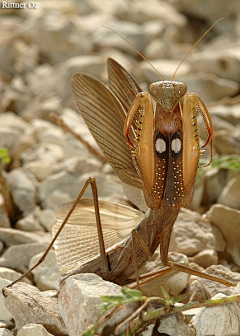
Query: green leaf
(131, 293)
(165, 294)
(4, 156)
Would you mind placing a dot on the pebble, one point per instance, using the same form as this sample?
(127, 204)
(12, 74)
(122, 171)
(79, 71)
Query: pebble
(23, 190)
(47, 274)
(175, 324)
(227, 220)
(5, 332)
(39, 51)
(29, 224)
(18, 257)
(4, 313)
(206, 258)
(28, 305)
(191, 234)
(78, 299)
(219, 320)
(11, 275)
(203, 289)
(174, 283)
(14, 237)
(230, 194)
(32, 329)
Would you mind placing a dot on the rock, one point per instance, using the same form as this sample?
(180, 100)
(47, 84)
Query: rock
(105, 38)
(64, 187)
(49, 133)
(15, 237)
(9, 119)
(228, 113)
(209, 87)
(47, 219)
(175, 324)
(214, 183)
(191, 234)
(42, 109)
(4, 312)
(230, 195)
(227, 143)
(78, 165)
(174, 283)
(91, 65)
(15, 97)
(223, 63)
(5, 332)
(11, 275)
(203, 289)
(206, 258)
(28, 305)
(19, 256)
(227, 220)
(47, 274)
(166, 69)
(23, 190)
(53, 26)
(218, 320)
(29, 224)
(32, 329)
(40, 159)
(78, 298)
(9, 138)
(208, 12)
(43, 83)
(4, 220)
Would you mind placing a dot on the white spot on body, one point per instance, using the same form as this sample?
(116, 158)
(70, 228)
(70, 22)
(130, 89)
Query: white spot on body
(176, 145)
(160, 145)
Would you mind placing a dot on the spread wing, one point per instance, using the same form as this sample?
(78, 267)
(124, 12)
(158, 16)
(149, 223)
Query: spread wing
(78, 241)
(104, 116)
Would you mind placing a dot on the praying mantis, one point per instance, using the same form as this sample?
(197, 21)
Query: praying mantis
(155, 153)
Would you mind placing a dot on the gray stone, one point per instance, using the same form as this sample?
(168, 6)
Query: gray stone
(64, 187)
(4, 312)
(175, 324)
(11, 275)
(32, 329)
(28, 305)
(9, 139)
(91, 65)
(174, 283)
(43, 110)
(191, 234)
(5, 332)
(47, 274)
(203, 289)
(4, 220)
(23, 190)
(227, 220)
(209, 87)
(166, 68)
(206, 258)
(230, 195)
(224, 63)
(52, 27)
(14, 237)
(78, 298)
(47, 219)
(219, 320)
(19, 256)
(29, 224)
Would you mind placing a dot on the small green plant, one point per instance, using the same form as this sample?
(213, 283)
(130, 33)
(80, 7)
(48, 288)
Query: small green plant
(4, 156)
(141, 317)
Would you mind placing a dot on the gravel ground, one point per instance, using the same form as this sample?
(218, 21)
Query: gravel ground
(42, 44)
